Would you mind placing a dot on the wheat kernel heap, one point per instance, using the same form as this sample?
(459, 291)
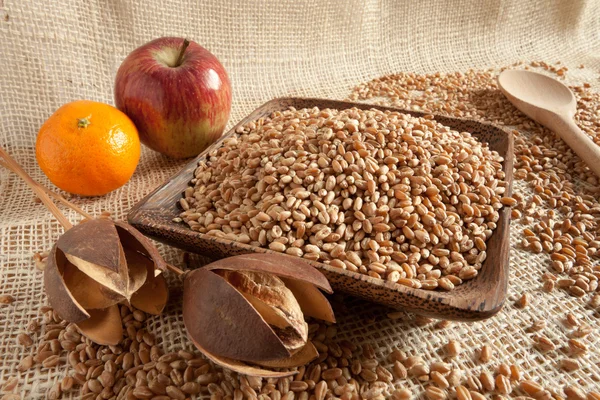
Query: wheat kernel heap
(387, 194)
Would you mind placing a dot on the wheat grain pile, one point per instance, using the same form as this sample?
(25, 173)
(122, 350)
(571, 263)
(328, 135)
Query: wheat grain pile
(396, 197)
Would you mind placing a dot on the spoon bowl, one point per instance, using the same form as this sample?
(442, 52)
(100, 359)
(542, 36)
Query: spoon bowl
(552, 104)
(535, 90)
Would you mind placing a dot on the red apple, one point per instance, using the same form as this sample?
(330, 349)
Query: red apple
(177, 94)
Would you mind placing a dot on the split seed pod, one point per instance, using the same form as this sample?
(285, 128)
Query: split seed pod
(251, 309)
(98, 264)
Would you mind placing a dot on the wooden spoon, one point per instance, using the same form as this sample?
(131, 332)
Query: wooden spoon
(552, 104)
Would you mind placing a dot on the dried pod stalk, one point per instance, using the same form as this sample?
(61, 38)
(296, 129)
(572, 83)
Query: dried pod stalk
(95, 265)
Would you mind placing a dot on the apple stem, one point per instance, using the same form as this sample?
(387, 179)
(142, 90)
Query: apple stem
(184, 46)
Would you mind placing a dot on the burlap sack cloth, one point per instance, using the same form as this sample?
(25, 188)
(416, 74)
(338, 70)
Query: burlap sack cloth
(53, 52)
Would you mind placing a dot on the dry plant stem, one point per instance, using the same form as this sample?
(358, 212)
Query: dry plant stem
(176, 270)
(54, 195)
(15, 167)
(66, 203)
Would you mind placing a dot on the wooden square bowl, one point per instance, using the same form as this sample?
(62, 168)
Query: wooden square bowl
(475, 299)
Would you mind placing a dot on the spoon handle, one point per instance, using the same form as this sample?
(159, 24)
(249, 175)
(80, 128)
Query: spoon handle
(577, 140)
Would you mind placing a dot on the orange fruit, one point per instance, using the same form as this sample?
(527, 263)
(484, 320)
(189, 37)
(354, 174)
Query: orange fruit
(88, 148)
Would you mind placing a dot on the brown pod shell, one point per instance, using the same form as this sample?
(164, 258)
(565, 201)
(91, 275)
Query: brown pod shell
(88, 293)
(280, 265)
(104, 326)
(153, 295)
(217, 317)
(115, 281)
(302, 357)
(312, 302)
(59, 296)
(241, 367)
(95, 241)
(137, 270)
(133, 239)
(274, 302)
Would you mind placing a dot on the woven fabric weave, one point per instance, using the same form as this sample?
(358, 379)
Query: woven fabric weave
(53, 52)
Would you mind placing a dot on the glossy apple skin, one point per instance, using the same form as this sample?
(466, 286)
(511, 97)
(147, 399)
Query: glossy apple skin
(178, 111)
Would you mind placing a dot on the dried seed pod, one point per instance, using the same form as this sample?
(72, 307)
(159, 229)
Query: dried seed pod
(303, 280)
(98, 264)
(104, 325)
(266, 294)
(274, 302)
